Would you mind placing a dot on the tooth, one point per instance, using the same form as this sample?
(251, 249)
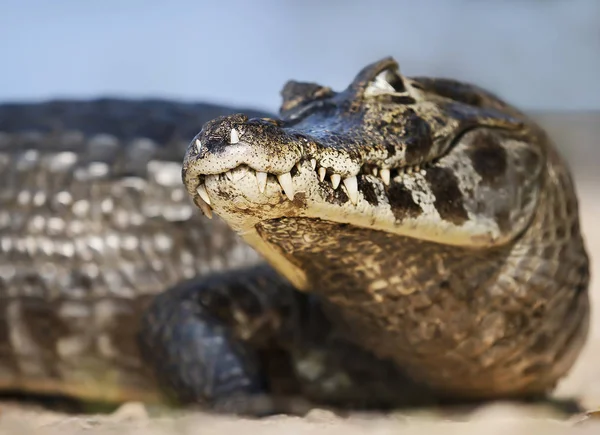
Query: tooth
(286, 184)
(229, 175)
(322, 173)
(352, 187)
(203, 193)
(235, 137)
(204, 207)
(198, 145)
(298, 165)
(261, 179)
(335, 180)
(375, 171)
(313, 164)
(385, 176)
(206, 210)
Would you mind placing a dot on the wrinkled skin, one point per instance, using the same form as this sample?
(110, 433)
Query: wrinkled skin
(436, 226)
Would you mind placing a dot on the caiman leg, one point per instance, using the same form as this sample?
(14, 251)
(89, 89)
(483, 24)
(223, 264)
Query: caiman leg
(214, 341)
(250, 343)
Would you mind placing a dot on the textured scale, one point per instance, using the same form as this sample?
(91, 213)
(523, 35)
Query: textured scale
(94, 221)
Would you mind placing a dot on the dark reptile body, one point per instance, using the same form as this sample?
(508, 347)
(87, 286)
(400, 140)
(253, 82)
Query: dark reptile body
(94, 221)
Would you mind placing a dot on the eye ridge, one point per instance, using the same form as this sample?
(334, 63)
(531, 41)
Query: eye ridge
(396, 81)
(387, 82)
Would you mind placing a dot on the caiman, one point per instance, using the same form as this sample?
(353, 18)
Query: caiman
(402, 241)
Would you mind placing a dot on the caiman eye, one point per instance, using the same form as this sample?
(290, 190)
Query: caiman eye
(386, 82)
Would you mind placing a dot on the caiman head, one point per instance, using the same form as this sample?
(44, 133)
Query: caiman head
(427, 159)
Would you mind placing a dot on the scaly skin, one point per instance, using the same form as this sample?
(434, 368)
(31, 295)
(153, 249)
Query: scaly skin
(94, 221)
(436, 225)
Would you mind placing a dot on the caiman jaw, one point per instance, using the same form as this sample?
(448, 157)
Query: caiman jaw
(240, 160)
(285, 179)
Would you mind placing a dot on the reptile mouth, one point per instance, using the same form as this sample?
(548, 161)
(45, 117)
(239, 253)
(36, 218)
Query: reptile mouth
(241, 164)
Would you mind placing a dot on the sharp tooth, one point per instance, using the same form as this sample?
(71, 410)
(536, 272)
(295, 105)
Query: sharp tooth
(375, 171)
(298, 165)
(286, 184)
(385, 176)
(204, 207)
(198, 145)
(229, 175)
(203, 193)
(261, 179)
(234, 137)
(322, 173)
(313, 164)
(335, 180)
(206, 210)
(352, 188)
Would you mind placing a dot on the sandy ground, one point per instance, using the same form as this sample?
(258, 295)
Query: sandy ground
(582, 383)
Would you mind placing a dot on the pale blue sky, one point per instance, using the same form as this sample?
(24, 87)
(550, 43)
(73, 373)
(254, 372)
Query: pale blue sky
(539, 54)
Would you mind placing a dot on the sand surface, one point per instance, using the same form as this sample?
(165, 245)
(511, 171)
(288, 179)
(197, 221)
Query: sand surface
(578, 137)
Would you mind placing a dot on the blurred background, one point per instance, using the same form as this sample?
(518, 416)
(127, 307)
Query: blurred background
(539, 54)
